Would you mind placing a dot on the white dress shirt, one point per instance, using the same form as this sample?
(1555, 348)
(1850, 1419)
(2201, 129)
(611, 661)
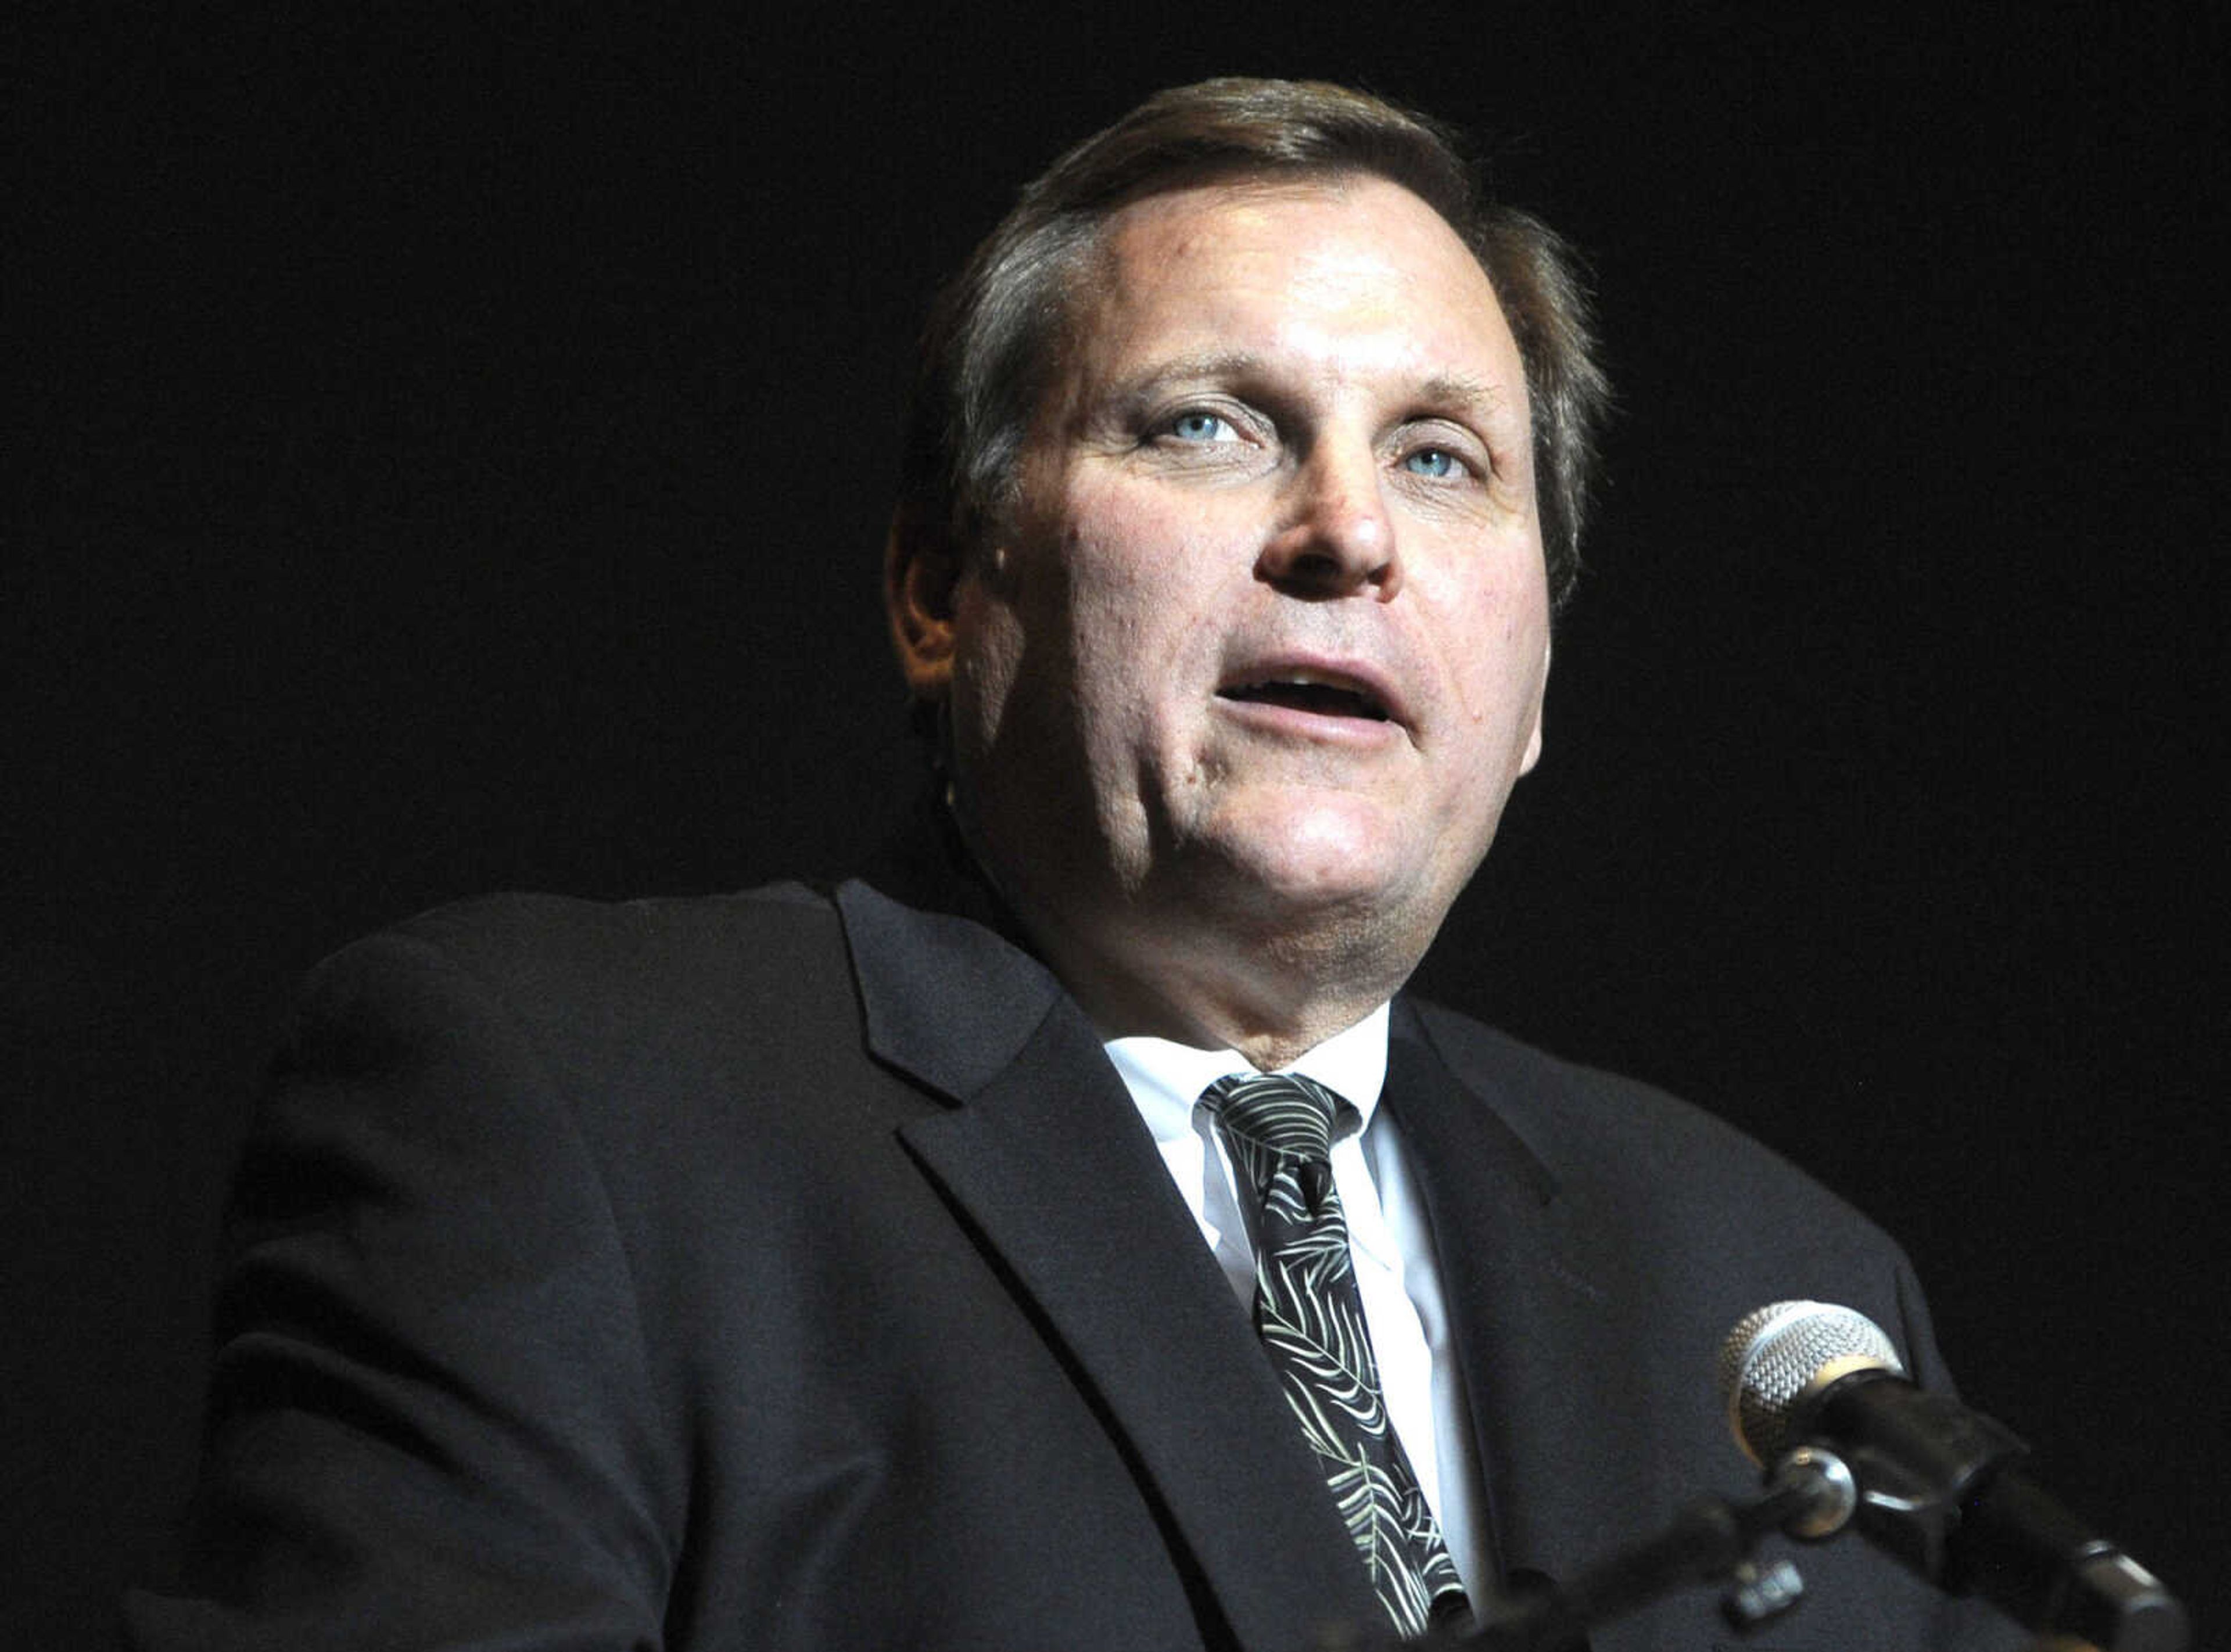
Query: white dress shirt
(1387, 1237)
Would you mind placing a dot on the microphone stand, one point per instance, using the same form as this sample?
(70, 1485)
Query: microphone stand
(1709, 1542)
(1812, 1495)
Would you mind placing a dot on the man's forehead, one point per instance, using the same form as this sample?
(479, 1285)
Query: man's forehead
(1182, 280)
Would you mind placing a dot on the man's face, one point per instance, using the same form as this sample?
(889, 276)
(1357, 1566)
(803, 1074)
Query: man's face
(1262, 644)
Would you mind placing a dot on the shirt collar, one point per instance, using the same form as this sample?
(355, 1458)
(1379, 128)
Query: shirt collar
(1165, 1079)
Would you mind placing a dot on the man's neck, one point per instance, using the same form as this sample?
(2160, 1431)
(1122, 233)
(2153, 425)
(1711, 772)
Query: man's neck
(1272, 1001)
(1271, 985)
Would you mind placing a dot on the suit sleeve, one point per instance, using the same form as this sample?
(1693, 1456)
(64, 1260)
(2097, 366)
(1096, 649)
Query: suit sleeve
(432, 1422)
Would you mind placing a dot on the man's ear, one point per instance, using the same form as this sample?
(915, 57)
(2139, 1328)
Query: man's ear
(1534, 740)
(921, 577)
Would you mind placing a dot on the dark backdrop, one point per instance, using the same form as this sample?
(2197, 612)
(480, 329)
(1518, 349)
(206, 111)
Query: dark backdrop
(453, 456)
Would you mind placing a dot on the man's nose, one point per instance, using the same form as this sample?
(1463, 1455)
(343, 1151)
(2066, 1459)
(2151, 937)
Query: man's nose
(1336, 536)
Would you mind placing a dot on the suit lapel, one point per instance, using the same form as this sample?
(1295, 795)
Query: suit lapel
(1045, 1157)
(1527, 1285)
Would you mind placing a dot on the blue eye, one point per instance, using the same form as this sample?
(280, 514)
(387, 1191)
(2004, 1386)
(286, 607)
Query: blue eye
(1200, 427)
(1437, 462)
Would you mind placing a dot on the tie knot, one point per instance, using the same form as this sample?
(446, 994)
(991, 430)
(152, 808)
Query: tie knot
(1277, 1112)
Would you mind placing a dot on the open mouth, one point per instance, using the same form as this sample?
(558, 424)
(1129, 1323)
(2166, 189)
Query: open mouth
(1300, 693)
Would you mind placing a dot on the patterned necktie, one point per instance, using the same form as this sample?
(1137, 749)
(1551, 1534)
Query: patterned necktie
(1277, 1127)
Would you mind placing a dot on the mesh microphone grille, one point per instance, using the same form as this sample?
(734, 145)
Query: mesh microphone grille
(1772, 1355)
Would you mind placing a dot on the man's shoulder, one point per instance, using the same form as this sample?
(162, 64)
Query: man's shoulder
(574, 969)
(1548, 1096)
(515, 921)
(1608, 1138)
(510, 936)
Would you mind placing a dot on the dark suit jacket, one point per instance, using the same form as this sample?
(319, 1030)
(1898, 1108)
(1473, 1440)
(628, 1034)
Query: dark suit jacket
(779, 1271)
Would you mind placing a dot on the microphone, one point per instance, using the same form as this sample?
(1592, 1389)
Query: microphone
(1936, 1482)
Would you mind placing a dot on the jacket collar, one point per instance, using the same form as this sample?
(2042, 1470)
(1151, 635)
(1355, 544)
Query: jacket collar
(1044, 1153)
(1045, 1157)
(1531, 1283)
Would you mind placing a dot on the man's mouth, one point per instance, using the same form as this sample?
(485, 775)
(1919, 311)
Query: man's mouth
(1309, 694)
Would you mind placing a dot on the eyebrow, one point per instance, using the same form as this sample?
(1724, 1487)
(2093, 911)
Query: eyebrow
(1460, 390)
(1207, 363)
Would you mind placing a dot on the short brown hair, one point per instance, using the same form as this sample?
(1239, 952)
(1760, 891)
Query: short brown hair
(991, 341)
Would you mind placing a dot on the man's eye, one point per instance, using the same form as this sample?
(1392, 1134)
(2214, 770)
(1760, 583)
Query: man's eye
(1202, 426)
(1432, 461)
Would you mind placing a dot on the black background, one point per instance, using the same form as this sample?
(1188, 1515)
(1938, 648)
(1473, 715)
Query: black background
(449, 452)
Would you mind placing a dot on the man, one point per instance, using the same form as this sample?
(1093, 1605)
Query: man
(920, 1265)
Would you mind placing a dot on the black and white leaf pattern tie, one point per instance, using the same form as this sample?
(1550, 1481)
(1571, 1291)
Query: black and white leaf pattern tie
(1278, 1128)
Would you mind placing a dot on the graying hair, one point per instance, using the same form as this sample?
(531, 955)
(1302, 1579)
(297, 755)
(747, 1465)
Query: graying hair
(992, 340)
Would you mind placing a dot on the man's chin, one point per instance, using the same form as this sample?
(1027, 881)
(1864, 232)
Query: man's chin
(1335, 851)
(1301, 887)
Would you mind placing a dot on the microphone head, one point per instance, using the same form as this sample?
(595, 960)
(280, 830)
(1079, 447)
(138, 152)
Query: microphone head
(1780, 1355)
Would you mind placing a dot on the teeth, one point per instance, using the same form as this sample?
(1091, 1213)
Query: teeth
(1312, 686)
